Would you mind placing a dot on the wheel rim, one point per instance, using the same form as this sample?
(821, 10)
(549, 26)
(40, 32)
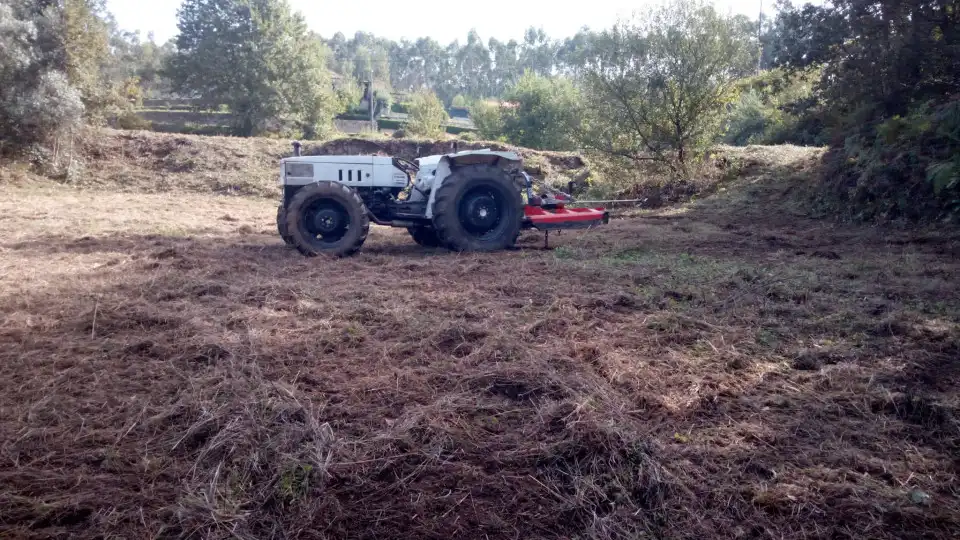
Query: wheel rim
(325, 222)
(481, 212)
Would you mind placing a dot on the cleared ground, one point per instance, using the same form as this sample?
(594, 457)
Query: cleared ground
(722, 369)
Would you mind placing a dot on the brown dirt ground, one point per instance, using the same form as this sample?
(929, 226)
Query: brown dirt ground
(724, 369)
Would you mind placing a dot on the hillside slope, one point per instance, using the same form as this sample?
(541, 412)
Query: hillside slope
(147, 162)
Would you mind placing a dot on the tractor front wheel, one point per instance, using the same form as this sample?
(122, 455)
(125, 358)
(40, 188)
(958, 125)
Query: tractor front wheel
(327, 218)
(478, 208)
(282, 226)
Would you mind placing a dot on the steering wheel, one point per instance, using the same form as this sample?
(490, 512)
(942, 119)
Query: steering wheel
(406, 164)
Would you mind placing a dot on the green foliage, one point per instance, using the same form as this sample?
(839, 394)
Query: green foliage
(655, 88)
(908, 168)
(774, 107)
(37, 103)
(889, 86)
(540, 112)
(488, 120)
(257, 57)
(133, 121)
(750, 120)
(348, 94)
(427, 117)
(459, 101)
(86, 54)
(294, 483)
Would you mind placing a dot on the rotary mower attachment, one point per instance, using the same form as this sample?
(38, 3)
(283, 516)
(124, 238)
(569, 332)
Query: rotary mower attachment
(551, 214)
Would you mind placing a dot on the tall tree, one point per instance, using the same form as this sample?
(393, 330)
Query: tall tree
(37, 103)
(257, 57)
(655, 87)
(86, 45)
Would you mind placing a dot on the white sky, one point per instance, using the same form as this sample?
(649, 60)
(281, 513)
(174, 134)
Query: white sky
(444, 21)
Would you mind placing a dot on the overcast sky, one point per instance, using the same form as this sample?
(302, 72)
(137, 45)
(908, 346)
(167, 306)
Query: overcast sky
(443, 21)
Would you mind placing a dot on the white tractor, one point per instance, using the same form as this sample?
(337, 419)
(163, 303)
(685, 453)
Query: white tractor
(464, 201)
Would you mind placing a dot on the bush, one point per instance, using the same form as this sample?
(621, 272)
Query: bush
(427, 117)
(543, 110)
(907, 167)
(486, 116)
(749, 120)
(133, 122)
(775, 108)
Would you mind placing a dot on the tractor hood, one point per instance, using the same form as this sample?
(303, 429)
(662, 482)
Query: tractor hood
(468, 157)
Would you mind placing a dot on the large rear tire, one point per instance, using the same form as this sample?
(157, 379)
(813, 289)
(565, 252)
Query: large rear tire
(282, 226)
(478, 208)
(327, 218)
(424, 236)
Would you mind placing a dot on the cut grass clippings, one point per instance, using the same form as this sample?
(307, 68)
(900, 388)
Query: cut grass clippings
(729, 371)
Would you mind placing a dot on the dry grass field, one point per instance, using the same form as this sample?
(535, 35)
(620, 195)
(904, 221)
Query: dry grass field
(723, 369)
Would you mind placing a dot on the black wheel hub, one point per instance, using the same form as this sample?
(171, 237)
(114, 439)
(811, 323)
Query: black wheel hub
(480, 211)
(327, 221)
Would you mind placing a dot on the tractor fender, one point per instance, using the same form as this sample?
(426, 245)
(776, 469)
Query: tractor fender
(449, 161)
(443, 171)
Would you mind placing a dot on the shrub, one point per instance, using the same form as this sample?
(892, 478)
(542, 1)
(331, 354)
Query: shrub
(134, 122)
(775, 107)
(907, 167)
(427, 117)
(749, 120)
(486, 116)
(543, 110)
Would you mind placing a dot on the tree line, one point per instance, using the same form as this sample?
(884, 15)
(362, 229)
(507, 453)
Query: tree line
(876, 81)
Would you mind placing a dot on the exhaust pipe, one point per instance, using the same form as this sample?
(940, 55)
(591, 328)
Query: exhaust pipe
(296, 148)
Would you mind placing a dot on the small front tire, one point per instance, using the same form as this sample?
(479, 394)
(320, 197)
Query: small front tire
(282, 226)
(327, 218)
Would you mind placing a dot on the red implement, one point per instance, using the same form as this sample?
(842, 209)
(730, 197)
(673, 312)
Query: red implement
(559, 217)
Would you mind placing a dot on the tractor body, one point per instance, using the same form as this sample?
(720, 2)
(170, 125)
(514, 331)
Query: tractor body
(465, 201)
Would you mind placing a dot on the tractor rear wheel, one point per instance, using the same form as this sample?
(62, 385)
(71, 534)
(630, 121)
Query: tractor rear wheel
(282, 226)
(478, 208)
(327, 218)
(424, 236)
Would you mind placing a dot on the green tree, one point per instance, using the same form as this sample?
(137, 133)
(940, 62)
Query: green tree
(37, 103)
(656, 87)
(889, 92)
(86, 48)
(257, 57)
(427, 117)
(487, 118)
(540, 112)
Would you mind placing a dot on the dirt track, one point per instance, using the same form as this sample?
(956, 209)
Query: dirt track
(722, 370)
